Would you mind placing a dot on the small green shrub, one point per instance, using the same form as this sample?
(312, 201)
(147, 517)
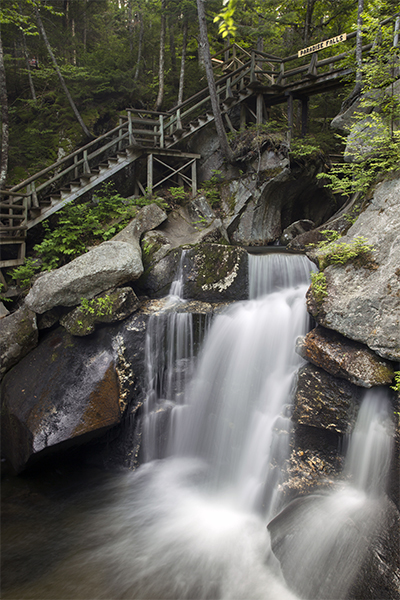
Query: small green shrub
(340, 253)
(210, 188)
(100, 307)
(396, 386)
(23, 274)
(318, 286)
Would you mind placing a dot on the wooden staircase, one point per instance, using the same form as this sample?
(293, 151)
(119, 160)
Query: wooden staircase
(252, 79)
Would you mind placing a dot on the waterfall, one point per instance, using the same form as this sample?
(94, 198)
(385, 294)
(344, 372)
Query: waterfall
(193, 524)
(330, 535)
(190, 523)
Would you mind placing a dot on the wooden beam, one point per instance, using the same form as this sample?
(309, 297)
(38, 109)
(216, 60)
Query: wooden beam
(304, 115)
(194, 178)
(290, 115)
(150, 174)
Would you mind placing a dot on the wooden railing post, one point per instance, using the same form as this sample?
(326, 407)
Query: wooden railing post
(290, 116)
(253, 67)
(76, 172)
(34, 195)
(119, 146)
(161, 131)
(178, 119)
(130, 128)
(86, 167)
(150, 174)
(194, 178)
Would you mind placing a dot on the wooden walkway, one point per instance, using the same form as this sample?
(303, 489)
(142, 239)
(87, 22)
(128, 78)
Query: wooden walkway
(149, 141)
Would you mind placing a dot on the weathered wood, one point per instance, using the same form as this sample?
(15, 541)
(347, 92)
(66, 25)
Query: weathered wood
(150, 174)
(304, 115)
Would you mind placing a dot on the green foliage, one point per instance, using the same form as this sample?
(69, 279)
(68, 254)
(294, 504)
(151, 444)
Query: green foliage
(225, 18)
(340, 253)
(211, 188)
(2, 297)
(304, 148)
(23, 274)
(374, 147)
(99, 307)
(396, 386)
(82, 225)
(318, 286)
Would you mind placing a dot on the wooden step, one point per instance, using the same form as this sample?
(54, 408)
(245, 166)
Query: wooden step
(35, 211)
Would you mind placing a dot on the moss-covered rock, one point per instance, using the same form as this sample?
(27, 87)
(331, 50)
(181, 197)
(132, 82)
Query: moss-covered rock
(216, 272)
(106, 308)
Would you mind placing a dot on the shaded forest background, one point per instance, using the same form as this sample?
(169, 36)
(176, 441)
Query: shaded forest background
(113, 54)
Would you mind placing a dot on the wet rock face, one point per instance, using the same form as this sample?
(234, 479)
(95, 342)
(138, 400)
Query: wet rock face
(214, 273)
(211, 273)
(315, 462)
(18, 336)
(344, 358)
(257, 212)
(359, 559)
(325, 402)
(363, 302)
(69, 390)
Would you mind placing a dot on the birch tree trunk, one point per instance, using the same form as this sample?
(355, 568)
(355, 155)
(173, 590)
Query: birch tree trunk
(183, 61)
(140, 46)
(61, 78)
(161, 64)
(358, 85)
(205, 51)
(28, 68)
(4, 120)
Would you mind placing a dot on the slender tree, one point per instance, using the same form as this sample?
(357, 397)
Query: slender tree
(4, 119)
(358, 85)
(161, 64)
(61, 78)
(140, 44)
(183, 60)
(205, 51)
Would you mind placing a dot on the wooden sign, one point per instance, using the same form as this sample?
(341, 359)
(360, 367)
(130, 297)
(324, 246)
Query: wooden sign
(325, 44)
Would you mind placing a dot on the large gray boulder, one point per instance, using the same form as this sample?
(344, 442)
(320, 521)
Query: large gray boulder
(111, 264)
(18, 336)
(363, 301)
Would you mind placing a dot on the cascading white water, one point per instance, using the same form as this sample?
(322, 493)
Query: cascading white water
(195, 522)
(330, 534)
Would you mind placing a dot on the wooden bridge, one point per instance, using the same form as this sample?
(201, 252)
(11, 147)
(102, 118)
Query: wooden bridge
(150, 141)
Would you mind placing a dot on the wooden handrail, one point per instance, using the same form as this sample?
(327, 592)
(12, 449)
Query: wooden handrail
(65, 159)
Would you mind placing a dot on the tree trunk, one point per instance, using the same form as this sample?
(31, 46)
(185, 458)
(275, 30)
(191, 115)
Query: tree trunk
(140, 47)
(4, 120)
(308, 21)
(205, 51)
(28, 68)
(172, 48)
(61, 78)
(183, 61)
(357, 88)
(161, 63)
